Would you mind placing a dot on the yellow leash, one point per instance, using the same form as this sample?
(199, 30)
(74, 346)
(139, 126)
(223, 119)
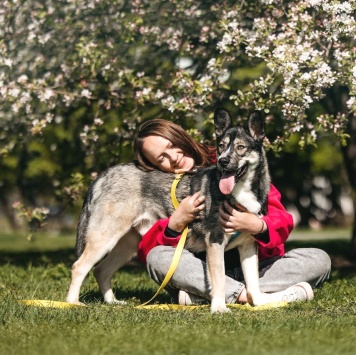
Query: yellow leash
(180, 245)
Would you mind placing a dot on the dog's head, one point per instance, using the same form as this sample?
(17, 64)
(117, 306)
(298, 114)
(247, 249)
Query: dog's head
(238, 148)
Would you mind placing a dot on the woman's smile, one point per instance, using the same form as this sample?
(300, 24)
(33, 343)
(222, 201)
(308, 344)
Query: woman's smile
(161, 153)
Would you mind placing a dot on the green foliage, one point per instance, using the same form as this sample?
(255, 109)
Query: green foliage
(327, 158)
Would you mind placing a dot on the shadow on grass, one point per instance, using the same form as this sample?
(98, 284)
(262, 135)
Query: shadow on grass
(141, 295)
(339, 250)
(38, 258)
(332, 247)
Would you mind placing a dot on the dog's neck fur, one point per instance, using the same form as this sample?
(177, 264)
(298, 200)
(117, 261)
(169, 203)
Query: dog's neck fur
(249, 192)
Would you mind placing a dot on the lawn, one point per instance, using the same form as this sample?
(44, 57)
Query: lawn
(41, 270)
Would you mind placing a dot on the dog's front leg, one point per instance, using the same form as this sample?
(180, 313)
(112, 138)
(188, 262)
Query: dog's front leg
(249, 263)
(216, 271)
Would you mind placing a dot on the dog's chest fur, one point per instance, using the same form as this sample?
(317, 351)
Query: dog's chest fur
(207, 182)
(250, 191)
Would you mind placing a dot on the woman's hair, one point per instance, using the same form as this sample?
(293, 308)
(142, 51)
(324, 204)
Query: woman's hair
(203, 155)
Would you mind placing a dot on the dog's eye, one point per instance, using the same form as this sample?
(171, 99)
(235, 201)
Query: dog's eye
(240, 147)
(221, 145)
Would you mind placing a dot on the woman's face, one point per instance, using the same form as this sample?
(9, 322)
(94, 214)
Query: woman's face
(161, 153)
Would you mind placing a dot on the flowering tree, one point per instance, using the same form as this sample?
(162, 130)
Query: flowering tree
(116, 63)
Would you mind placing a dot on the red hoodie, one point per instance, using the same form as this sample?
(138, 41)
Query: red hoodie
(278, 220)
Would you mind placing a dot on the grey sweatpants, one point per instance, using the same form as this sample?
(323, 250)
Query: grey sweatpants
(276, 274)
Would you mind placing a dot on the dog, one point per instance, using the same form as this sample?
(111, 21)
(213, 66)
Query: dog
(125, 201)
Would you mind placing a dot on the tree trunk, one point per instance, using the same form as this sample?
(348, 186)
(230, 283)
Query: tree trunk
(353, 238)
(335, 102)
(349, 153)
(9, 212)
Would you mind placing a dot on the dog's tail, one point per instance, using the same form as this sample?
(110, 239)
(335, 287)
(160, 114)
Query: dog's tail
(83, 223)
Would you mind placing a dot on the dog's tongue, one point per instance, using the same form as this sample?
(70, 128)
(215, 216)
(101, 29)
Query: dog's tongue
(227, 183)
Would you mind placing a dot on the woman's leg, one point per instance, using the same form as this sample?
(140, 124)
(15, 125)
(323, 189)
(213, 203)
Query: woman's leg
(190, 275)
(277, 274)
(304, 264)
(298, 265)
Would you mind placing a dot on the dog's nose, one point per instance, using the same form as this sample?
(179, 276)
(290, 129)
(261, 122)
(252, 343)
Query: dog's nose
(224, 162)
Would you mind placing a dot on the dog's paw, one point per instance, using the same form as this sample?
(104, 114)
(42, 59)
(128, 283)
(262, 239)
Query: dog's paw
(115, 301)
(259, 299)
(119, 302)
(219, 310)
(218, 307)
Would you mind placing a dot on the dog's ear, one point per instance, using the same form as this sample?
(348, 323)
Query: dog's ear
(222, 122)
(256, 126)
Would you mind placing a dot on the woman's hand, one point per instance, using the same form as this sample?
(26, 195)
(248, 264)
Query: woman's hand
(187, 211)
(241, 220)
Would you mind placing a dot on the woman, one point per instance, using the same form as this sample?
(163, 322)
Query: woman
(290, 276)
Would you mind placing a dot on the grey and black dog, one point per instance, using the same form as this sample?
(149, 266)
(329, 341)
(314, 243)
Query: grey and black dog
(124, 202)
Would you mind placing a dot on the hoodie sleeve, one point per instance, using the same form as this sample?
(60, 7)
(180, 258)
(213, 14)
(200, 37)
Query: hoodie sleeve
(154, 237)
(279, 222)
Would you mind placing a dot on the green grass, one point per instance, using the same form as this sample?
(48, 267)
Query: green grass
(41, 270)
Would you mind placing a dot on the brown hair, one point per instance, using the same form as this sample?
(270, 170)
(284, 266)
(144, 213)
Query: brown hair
(203, 155)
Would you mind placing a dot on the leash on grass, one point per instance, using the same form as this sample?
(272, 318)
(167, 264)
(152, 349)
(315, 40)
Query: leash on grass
(180, 245)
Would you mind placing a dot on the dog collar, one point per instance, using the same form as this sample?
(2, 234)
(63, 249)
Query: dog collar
(233, 237)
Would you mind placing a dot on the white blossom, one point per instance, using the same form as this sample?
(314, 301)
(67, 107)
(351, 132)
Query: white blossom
(48, 93)
(314, 3)
(22, 78)
(49, 117)
(85, 93)
(225, 42)
(8, 62)
(146, 91)
(159, 94)
(98, 121)
(351, 103)
(14, 92)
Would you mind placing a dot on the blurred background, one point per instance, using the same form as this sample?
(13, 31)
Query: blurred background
(77, 80)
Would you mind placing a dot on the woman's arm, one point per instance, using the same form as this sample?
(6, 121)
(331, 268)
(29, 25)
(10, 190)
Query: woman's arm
(270, 231)
(154, 237)
(167, 231)
(187, 211)
(279, 222)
